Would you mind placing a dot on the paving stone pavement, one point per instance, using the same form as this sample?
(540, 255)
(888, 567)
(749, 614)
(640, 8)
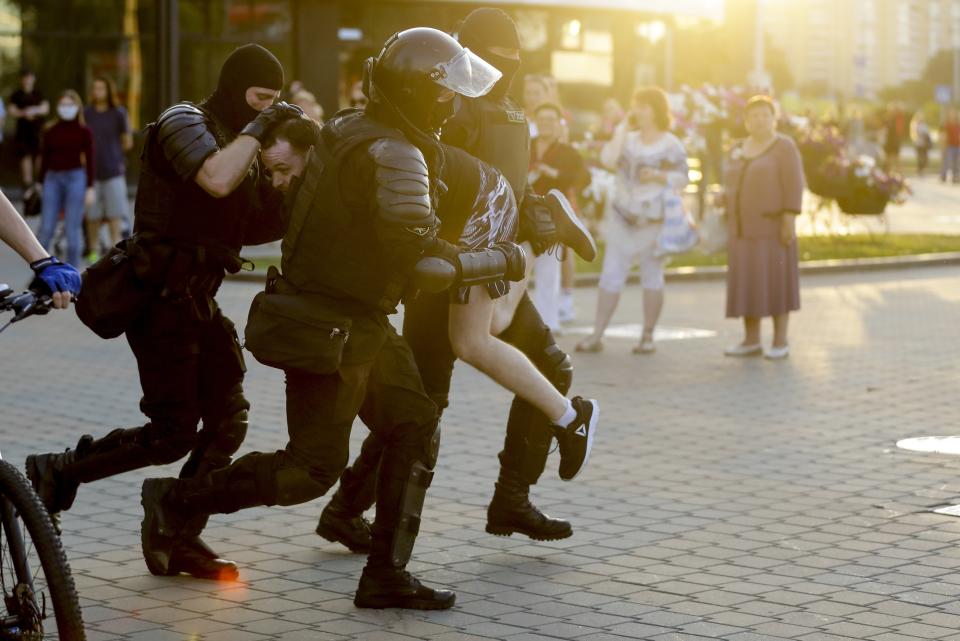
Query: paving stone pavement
(725, 499)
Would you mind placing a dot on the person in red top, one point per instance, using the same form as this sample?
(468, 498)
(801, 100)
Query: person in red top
(554, 165)
(67, 174)
(951, 147)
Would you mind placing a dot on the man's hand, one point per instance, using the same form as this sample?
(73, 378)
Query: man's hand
(445, 251)
(89, 197)
(269, 118)
(58, 280)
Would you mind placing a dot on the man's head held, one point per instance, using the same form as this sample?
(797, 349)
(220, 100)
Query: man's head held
(250, 80)
(492, 34)
(418, 72)
(285, 149)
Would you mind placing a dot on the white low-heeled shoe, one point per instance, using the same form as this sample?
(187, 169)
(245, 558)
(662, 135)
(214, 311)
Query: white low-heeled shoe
(777, 353)
(743, 350)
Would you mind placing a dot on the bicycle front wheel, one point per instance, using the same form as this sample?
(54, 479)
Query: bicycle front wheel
(34, 574)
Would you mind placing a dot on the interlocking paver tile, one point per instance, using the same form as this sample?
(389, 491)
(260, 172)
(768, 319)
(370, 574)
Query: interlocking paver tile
(724, 499)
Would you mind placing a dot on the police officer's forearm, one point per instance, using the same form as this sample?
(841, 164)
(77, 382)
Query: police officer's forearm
(223, 172)
(15, 233)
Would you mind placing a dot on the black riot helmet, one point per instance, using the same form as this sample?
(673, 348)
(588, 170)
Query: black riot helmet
(415, 68)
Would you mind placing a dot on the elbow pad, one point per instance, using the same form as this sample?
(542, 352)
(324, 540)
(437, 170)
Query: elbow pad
(184, 135)
(503, 261)
(403, 187)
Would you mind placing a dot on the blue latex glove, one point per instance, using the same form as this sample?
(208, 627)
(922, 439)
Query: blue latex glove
(54, 276)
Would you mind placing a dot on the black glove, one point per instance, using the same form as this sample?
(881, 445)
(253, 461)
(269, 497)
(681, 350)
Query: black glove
(516, 260)
(269, 118)
(448, 252)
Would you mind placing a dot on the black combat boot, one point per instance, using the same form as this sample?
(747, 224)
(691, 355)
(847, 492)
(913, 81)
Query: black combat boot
(169, 548)
(57, 492)
(384, 585)
(57, 476)
(511, 511)
(339, 524)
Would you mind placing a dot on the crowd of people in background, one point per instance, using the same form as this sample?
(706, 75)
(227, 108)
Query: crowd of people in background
(72, 164)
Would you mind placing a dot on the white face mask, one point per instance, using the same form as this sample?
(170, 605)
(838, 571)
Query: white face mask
(67, 112)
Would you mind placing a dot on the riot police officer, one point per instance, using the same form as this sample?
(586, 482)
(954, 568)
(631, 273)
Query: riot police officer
(361, 219)
(494, 129)
(201, 197)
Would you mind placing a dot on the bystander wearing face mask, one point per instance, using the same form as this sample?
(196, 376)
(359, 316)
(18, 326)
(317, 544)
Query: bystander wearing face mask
(67, 112)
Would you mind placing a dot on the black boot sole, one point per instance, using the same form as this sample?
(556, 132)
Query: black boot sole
(503, 530)
(331, 535)
(226, 574)
(413, 603)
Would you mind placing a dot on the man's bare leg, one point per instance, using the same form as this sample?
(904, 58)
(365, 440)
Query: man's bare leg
(470, 335)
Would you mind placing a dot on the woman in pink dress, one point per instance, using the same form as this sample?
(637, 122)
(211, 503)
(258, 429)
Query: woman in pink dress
(764, 192)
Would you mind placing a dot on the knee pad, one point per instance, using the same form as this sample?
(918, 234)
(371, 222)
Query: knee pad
(170, 442)
(230, 431)
(559, 368)
(442, 401)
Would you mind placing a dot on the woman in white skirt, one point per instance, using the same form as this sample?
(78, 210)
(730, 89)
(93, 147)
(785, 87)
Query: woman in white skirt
(651, 166)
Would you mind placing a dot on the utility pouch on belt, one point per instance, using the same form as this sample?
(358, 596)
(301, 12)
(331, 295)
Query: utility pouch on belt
(295, 331)
(112, 296)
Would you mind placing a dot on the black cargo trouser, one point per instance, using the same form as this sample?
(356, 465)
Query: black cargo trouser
(191, 370)
(529, 433)
(384, 390)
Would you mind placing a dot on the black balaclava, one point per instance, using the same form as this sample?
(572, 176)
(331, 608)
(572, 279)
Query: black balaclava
(489, 27)
(248, 66)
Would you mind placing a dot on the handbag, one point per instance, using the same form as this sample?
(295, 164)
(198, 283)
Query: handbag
(112, 295)
(714, 235)
(296, 331)
(677, 232)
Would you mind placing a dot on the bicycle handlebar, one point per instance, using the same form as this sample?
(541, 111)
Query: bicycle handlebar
(28, 303)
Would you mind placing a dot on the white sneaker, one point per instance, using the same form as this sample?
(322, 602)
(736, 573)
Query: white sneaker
(777, 353)
(744, 350)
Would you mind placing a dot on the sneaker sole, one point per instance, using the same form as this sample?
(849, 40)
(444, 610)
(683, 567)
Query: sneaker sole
(499, 530)
(594, 419)
(587, 247)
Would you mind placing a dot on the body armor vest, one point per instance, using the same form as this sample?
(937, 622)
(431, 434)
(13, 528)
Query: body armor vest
(502, 140)
(330, 248)
(170, 210)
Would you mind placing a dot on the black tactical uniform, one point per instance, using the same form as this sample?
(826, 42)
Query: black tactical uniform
(362, 217)
(494, 129)
(190, 362)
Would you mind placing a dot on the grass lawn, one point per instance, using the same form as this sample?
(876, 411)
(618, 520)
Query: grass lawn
(829, 247)
(811, 248)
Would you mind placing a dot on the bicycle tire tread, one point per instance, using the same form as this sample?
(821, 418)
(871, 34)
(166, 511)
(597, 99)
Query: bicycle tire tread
(63, 592)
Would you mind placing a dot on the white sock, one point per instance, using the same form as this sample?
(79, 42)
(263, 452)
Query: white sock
(568, 415)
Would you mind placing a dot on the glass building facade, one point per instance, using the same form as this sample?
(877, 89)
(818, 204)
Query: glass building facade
(160, 51)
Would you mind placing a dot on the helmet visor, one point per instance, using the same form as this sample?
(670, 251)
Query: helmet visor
(467, 74)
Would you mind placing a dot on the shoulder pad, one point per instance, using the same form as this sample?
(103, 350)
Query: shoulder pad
(185, 136)
(402, 183)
